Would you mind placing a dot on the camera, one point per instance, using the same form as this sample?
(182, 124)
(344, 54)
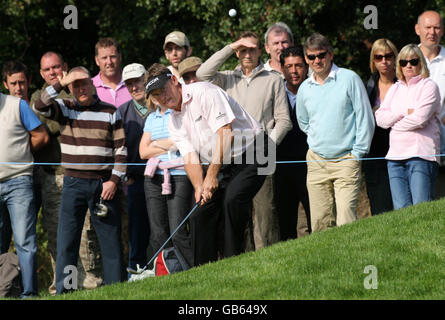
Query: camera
(101, 209)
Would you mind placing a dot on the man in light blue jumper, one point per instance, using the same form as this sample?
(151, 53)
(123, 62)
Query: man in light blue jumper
(334, 111)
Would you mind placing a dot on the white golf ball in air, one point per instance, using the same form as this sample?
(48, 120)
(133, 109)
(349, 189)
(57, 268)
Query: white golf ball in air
(232, 12)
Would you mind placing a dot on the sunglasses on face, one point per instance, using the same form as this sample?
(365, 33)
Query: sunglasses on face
(379, 57)
(319, 56)
(413, 62)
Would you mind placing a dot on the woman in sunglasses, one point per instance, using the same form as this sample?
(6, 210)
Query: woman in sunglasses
(382, 63)
(411, 109)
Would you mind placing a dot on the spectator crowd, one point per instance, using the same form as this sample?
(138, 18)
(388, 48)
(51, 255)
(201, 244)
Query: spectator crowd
(268, 151)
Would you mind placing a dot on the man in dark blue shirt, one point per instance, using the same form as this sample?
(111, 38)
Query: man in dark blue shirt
(290, 187)
(134, 114)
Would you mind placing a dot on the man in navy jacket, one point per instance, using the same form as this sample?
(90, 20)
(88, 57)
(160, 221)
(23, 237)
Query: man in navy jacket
(134, 113)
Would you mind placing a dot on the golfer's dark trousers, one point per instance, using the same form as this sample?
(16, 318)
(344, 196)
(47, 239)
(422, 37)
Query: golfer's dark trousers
(234, 202)
(231, 205)
(77, 196)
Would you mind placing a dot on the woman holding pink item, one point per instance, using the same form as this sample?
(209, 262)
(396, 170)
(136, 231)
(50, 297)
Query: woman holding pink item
(168, 191)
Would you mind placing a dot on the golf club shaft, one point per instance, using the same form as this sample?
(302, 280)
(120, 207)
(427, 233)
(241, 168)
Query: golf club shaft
(171, 236)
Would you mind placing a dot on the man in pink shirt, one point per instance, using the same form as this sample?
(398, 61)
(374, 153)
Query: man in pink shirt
(111, 88)
(108, 82)
(208, 127)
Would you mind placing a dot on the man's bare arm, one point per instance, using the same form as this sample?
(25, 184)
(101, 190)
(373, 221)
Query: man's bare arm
(39, 138)
(222, 152)
(195, 173)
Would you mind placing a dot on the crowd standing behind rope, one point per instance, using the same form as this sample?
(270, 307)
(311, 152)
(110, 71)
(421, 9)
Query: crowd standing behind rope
(104, 198)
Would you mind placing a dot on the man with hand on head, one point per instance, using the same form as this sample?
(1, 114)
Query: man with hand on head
(94, 157)
(48, 183)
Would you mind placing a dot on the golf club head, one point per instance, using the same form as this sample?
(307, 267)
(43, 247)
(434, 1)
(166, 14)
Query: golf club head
(132, 271)
(143, 270)
(143, 275)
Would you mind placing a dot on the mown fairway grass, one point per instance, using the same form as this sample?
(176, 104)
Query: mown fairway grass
(407, 247)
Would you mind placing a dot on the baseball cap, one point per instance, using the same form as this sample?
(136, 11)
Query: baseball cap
(157, 82)
(189, 64)
(178, 38)
(131, 71)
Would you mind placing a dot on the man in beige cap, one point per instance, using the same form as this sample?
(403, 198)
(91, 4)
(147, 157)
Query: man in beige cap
(187, 69)
(176, 48)
(134, 113)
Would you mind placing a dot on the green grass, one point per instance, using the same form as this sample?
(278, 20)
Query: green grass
(407, 247)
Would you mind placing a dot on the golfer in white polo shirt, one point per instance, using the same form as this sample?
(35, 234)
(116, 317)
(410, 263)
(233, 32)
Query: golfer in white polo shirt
(222, 147)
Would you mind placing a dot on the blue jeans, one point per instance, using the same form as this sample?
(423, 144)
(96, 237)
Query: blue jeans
(16, 195)
(166, 212)
(77, 195)
(412, 181)
(138, 228)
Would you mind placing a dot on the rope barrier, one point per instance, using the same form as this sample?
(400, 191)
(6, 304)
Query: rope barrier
(204, 163)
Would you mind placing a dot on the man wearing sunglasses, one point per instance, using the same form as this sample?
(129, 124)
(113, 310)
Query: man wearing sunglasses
(334, 111)
(429, 28)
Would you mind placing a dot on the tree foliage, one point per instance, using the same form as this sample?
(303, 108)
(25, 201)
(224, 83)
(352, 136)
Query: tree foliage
(32, 27)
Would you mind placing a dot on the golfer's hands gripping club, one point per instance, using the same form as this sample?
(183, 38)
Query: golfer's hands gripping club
(205, 192)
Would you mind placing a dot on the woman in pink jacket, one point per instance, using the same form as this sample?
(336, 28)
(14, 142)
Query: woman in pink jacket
(411, 109)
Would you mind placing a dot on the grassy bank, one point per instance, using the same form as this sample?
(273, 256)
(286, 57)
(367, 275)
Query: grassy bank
(406, 248)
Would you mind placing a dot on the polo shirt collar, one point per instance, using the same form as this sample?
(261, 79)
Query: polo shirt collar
(186, 93)
(287, 90)
(332, 74)
(158, 112)
(439, 57)
(141, 108)
(186, 96)
(97, 81)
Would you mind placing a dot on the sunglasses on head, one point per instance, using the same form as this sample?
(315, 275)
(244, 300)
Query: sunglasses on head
(319, 56)
(379, 57)
(413, 62)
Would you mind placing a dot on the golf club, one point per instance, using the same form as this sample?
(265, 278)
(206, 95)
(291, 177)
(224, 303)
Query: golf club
(139, 271)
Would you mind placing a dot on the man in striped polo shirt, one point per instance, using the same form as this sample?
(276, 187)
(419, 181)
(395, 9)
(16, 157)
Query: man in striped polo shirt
(94, 156)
